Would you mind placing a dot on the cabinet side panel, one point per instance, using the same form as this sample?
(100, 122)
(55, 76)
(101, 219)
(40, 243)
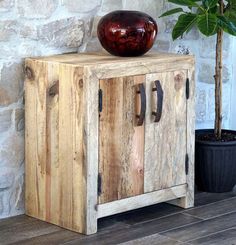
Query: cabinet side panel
(35, 139)
(121, 149)
(55, 169)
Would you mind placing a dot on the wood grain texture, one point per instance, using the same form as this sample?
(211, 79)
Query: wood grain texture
(121, 147)
(165, 141)
(105, 66)
(54, 145)
(143, 200)
(35, 140)
(188, 200)
(91, 117)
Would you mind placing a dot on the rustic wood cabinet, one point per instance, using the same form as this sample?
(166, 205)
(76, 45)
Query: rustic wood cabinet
(106, 134)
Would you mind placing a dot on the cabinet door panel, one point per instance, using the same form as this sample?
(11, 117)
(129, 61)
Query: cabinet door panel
(165, 141)
(121, 149)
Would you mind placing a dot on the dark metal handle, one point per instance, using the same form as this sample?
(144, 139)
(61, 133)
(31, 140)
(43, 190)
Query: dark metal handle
(160, 96)
(142, 93)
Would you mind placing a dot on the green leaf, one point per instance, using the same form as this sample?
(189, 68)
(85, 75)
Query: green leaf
(183, 24)
(207, 24)
(189, 3)
(172, 11)
(232, 3)
(231, 16)
(227, 25)
(210, 3)
(230, 12)
(213, 10)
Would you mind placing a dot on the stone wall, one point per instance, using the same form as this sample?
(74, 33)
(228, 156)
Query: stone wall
(45, 27)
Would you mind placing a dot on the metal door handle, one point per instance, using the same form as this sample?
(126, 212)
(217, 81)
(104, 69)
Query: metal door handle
(141, 116)
(160, 96)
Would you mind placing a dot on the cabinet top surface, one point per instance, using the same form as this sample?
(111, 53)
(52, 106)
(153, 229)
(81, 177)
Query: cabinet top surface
(87, 59)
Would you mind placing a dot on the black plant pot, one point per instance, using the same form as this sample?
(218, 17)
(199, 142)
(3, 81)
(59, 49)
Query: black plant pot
(215, 164)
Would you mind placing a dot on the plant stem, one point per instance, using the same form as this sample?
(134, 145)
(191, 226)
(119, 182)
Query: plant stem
(218, 78)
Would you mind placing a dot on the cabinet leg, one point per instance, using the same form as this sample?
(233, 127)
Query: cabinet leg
(184, 202)
(91, 227)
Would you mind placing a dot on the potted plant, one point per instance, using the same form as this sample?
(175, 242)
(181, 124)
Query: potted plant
(215, 157)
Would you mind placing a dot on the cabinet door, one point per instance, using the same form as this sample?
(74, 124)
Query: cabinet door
(165, 139)
(121, 141)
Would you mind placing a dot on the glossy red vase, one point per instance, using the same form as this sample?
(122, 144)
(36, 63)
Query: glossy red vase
(127, 33)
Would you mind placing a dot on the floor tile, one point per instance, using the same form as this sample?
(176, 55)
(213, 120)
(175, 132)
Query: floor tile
(203, 228)
(214, 209)
(227, 237)
(153, 240)
(203, 198)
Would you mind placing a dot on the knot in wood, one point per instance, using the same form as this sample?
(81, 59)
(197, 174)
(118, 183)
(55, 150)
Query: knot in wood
(29, 73)
(81, 84)
(54, 89)
(179, 81)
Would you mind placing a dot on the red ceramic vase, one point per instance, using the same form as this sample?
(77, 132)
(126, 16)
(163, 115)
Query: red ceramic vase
(127, 33)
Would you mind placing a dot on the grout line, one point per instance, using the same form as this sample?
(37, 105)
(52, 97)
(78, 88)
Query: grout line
(214, 233)
(217, 216)
(208, 204)
(146, 237)
(194, 216)
(165, 216)
(182, 226)
(212, 217)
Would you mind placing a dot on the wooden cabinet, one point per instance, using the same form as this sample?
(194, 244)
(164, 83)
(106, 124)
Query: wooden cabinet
(107, 134)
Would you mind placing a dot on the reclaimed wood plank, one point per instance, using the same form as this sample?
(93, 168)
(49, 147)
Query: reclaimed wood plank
(121, 147)
(91, 146)
(52, 199)
(72, 189)
(165, 141)
(188, 200)
(135, 202)
(137, 231)
(107, 59)
(203, 228)
(35, 137)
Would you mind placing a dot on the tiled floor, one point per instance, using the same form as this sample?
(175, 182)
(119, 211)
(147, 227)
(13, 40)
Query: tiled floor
(211, 222)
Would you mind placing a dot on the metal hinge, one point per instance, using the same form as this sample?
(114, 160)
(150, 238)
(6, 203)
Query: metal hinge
(186, 164)
(100, 95)
(187, 88)
(99, 184)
